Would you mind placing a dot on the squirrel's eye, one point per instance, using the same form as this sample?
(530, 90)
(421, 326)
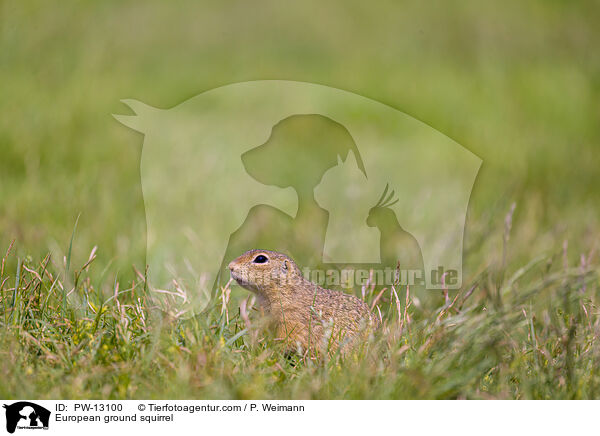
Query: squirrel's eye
(260, 259)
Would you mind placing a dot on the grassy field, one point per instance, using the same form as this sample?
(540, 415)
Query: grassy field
(518, 83)
(533, 335)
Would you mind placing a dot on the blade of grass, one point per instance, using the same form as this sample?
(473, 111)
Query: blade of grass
(68, 264)
(17, 285)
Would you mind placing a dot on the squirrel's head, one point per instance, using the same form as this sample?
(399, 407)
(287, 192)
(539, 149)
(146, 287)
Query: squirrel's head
(264, 271)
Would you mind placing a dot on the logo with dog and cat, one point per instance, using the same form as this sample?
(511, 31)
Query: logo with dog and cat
(339, 182)
(25, 415)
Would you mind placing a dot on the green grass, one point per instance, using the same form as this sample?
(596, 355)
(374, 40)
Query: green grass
(516, 82)
(530, 335)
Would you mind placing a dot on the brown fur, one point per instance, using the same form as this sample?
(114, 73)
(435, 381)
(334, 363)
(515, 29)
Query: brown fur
(306, 316)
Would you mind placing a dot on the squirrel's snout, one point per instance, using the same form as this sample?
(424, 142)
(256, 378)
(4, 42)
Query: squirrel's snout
(230, 266)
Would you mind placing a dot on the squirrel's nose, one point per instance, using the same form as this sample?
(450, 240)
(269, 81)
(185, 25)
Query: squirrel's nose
(230, 266)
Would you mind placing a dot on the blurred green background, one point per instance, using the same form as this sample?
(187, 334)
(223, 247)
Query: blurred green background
(516, 82)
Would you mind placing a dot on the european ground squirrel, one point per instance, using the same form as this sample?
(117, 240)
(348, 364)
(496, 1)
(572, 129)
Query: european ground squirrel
(306, 316)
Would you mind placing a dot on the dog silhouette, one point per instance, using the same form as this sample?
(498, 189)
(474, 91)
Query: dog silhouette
(13, 415)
